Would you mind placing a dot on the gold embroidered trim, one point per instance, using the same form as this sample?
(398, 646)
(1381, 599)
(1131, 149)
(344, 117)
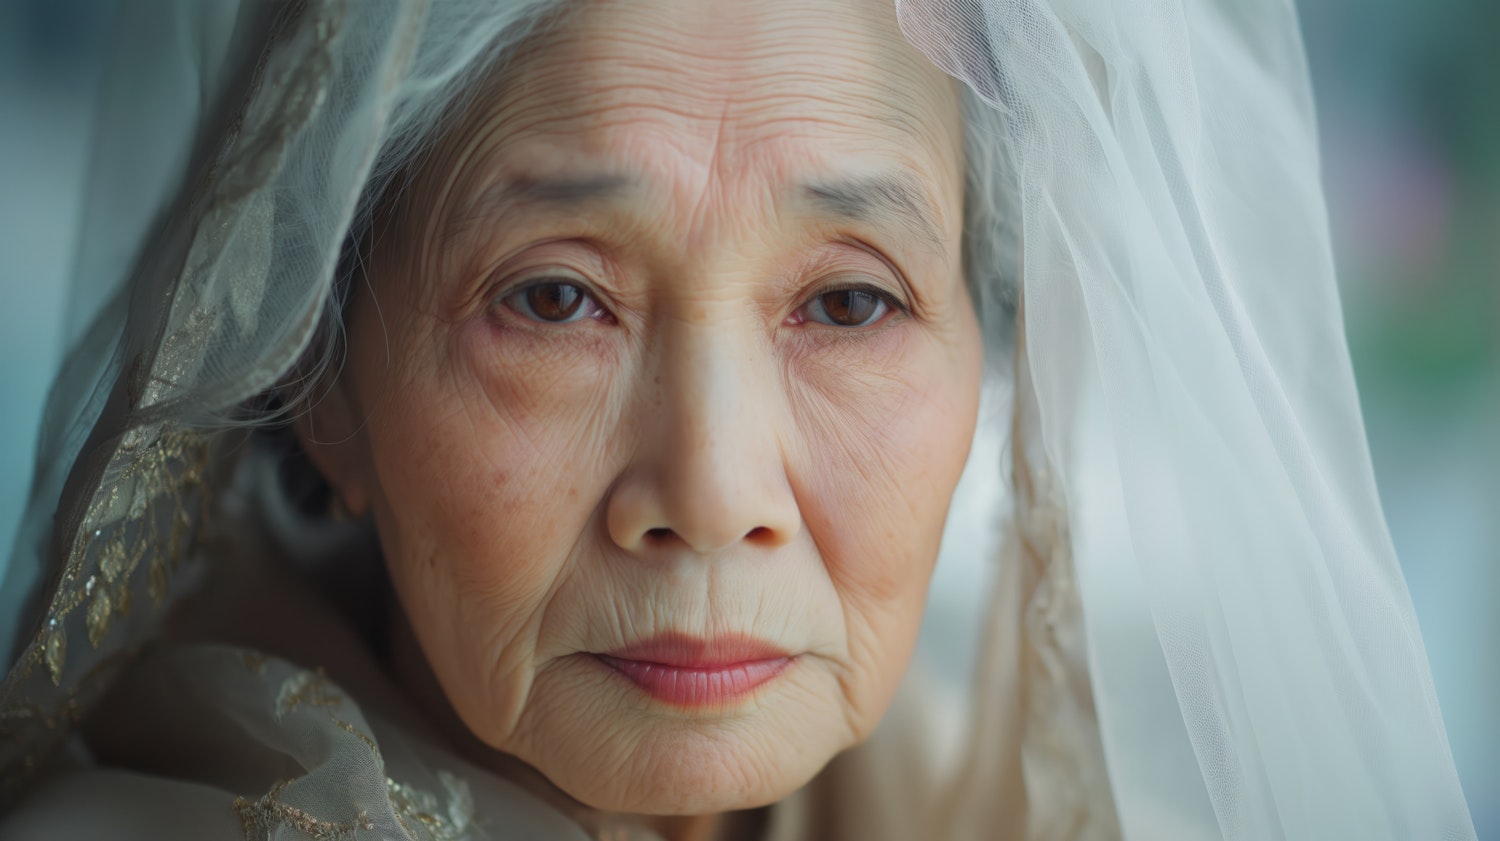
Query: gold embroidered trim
(148, 512)
(422, 815)
(263, 817)
(355, 732)
(311, 688)
(157, 484)
(418, 809)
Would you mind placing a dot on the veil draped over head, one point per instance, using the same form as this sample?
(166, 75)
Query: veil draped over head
(1212, 637)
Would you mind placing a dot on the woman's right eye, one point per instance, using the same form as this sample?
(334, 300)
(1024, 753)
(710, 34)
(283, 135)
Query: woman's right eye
(553, 301)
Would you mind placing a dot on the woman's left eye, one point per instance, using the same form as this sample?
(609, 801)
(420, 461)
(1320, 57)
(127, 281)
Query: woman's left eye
(853, 307)
(553, 300)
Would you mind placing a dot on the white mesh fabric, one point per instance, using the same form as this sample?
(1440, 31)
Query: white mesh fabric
(1257, 668)
(294, 132)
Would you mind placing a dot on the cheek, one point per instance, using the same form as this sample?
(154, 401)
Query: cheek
(489, 457)
(884, 445)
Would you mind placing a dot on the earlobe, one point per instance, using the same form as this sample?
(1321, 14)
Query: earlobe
(330, 436)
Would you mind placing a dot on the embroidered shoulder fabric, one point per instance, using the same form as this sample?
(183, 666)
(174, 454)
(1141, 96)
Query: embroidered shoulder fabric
(331, 773)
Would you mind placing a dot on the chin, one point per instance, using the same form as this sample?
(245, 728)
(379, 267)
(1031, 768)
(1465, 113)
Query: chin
(681, 772)
(613, 748)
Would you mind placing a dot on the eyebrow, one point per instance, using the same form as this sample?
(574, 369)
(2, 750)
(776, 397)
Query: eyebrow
(556, 192)
(876, 199)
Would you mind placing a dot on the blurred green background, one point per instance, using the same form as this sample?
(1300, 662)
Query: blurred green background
(1409, 101)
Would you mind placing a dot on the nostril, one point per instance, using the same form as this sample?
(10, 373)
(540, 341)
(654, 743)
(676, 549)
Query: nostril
(658, 533)
(759, 534)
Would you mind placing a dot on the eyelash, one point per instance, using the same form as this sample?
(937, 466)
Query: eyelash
(513, 298)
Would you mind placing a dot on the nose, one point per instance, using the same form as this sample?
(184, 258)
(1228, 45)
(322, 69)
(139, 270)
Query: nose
(711, 471)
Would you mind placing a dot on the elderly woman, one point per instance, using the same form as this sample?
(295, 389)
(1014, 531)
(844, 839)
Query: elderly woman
(636, 349)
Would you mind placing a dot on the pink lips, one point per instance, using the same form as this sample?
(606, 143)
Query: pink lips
(691, 672)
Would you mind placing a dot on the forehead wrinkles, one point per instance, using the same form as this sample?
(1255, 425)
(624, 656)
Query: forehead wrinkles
(701, 62)
(621, 80)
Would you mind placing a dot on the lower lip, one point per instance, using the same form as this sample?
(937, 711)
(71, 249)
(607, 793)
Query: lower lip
(697, 686)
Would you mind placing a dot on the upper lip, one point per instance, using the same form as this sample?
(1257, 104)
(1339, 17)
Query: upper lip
(689, 652)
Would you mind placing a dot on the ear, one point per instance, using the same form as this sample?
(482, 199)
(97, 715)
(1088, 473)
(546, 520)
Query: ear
(330, 432)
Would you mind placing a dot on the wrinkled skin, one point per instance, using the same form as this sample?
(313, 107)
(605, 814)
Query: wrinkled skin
(701, 451)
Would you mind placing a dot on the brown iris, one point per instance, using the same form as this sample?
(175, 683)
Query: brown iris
(850, 307)
(554, 301)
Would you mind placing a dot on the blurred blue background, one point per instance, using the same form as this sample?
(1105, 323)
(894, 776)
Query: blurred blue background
(1409, 101)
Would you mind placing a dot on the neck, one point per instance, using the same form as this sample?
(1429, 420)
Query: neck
(411, 672)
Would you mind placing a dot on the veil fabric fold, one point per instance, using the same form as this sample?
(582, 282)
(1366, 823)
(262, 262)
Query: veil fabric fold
(1225, 625)
(1255, 660)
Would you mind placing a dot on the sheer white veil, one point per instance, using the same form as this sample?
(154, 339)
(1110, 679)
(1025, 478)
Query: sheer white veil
(1240, 658)
(1256, 664)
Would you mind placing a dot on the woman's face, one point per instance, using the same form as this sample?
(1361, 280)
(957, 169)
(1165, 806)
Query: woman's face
(660, 386)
